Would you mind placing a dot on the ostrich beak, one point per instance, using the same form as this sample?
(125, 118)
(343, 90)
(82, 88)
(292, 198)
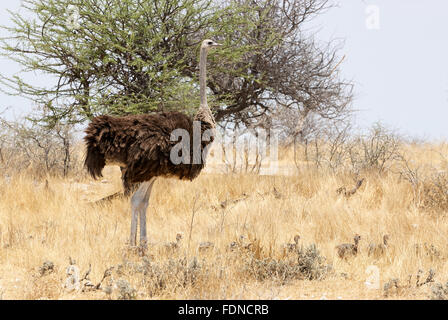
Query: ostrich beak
(217, 44)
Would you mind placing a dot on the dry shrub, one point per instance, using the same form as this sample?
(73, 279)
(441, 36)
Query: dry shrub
(439, 292)
(45, 282)
(337, 148)
(434, 192)
(40, 151)
(429, 251)
(157, 277)
(375, 151)
(303, 264)
(242, 154)
(429, 185)
(126, 291)
(48, 287)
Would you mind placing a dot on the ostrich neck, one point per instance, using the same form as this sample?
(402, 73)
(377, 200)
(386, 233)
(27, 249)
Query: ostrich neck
(202, 77)
(204, 113)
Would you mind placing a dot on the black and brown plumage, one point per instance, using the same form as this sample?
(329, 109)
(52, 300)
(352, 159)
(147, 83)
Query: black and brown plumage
(140, 145)
(346, 250)
(143, 147)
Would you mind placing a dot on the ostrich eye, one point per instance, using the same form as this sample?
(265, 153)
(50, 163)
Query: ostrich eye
(210, 43)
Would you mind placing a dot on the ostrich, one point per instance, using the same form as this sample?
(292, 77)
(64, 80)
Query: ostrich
(348, 249)
(291, 247)
(377, 250)
(141, 145)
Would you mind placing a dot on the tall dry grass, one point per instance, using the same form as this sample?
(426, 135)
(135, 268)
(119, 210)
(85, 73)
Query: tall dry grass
(55, 221)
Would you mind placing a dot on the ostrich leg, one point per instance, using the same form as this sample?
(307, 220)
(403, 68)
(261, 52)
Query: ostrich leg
(128, 187)
(139, 204)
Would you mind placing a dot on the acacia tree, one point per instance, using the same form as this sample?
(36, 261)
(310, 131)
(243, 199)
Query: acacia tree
(109, 56)
(135, 56)
(283, 68)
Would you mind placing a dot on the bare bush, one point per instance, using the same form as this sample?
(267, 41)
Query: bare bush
(305, 263)
(439, 291)
(126, 291)
(242, 151)
(429, 184)
(435, 191)
(333, 145)
(28, 146)
(377, 150)
(430, 189)
(174, 274)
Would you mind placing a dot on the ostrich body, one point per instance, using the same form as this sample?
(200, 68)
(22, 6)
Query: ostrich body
(141, 145)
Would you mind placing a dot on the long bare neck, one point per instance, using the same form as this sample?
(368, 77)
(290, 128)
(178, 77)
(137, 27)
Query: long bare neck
(204, 113)
(203, 76)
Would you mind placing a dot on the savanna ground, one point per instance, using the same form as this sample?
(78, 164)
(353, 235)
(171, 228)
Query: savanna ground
(50, 223)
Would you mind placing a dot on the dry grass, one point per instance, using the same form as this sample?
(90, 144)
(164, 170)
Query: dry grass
(39, 225)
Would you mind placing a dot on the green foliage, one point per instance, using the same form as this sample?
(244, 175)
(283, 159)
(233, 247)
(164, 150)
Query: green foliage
(125, 56)
(138, 56)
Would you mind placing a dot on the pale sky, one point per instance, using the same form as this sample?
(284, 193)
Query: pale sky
(401, 69)
(398, 60)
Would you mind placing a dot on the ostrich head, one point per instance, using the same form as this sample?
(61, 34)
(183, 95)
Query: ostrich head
(207, 44)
